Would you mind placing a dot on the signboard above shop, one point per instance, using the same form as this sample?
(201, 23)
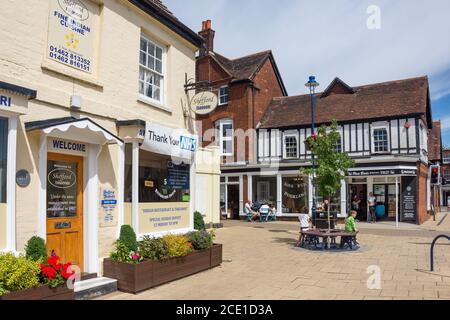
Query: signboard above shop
(204, 103)
(177, 143)
(382, 172)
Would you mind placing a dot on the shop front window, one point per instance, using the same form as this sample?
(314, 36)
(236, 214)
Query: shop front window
(161, 180)
(265, 189)
(295, 194)
(3, 157)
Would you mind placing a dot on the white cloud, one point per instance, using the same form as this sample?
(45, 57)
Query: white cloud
(445, 124)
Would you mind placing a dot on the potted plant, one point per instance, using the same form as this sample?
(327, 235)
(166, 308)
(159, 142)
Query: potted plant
(161, 260)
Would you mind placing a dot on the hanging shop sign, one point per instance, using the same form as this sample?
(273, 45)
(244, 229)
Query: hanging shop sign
(388, 172)
(409, 199)
(74, 148)
(177, 143)
(23, 178)
(71, 33)
(204, 103)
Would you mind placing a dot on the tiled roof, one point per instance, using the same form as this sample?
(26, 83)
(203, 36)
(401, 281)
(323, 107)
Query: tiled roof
(435, 142)
(245, 67)
(374, 101)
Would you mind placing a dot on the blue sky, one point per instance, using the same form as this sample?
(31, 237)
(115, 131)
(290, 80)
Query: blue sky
(330, 38)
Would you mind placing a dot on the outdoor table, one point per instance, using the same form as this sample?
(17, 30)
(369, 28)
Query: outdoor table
(325, 235)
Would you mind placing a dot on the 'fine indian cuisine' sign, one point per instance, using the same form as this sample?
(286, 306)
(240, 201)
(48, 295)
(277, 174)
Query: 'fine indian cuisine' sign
(71, 33)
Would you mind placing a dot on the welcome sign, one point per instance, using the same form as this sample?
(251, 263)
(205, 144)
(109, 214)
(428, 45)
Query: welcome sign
(71, 33)
(177, 143)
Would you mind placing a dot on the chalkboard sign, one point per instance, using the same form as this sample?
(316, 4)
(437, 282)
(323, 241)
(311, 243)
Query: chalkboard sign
(409, 199)
(178, 176)
(61, 189)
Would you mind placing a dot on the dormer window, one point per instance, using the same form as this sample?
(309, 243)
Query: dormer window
(223, 95)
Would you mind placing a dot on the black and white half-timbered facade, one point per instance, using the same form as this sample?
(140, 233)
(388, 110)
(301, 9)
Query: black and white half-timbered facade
(384, 128)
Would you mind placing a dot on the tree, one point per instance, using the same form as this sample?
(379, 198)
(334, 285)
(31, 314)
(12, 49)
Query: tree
(331, 163)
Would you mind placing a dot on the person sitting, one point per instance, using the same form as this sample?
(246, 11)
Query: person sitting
(272, 213)
(304, 226)
(249, 212)
(264, 212)
(350, 227)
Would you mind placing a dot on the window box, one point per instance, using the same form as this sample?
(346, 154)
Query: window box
(41, 292)
(134, 278)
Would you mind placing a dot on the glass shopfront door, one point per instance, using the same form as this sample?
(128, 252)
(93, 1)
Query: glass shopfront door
(386, 201)
(65, 207)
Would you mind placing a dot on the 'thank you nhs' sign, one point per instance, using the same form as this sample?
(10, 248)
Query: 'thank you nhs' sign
(177, 143)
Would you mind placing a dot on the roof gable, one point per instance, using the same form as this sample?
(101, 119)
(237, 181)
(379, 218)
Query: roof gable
(337, 86)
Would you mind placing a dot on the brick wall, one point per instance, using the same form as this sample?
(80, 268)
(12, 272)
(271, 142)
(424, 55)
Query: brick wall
(422, 212)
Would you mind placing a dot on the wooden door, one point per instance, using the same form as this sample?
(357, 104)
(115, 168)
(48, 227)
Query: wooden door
(65, 207)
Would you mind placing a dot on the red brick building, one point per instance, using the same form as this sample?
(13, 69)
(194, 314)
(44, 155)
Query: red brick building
(245, 87)
(445, 170)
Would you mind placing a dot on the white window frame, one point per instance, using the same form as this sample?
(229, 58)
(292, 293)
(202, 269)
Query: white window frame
(220, 124)
(387, 137)
(144, 98)
(227, 95)
(290, 135)
(446, 159)
(444, 175)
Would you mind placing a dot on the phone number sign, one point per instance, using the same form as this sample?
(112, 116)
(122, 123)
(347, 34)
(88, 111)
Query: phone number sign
(71, 33)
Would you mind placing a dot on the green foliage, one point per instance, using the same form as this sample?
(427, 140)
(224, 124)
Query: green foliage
(331, 165)
(154, 248)
(123, 254)
(128, 238)
(202, 240)
(17, 273)
(179, 246)
(199, 223)
(36, 249)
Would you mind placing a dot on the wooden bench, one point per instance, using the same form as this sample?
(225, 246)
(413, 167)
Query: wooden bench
(312, 236)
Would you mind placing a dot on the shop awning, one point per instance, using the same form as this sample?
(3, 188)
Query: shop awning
(83, 129)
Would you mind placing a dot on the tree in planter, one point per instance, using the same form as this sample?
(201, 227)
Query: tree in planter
(128, 238)
(331, 164)
(36, 249)
(199, 223)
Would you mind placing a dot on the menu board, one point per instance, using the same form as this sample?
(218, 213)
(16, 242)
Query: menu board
(61, 189)
(178, 176)
(409, 199)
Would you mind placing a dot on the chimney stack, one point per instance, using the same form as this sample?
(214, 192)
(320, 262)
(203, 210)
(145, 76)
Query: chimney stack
(207, 34)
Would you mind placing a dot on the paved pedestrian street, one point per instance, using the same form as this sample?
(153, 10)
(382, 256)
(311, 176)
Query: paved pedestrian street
(262, 262)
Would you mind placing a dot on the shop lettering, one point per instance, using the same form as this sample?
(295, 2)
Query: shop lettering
(71, 146)
(5, 101)
(189, 144)
(75, 9)
(71, 24)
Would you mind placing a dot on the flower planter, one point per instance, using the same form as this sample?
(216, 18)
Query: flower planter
(134, 278)
(41, 292)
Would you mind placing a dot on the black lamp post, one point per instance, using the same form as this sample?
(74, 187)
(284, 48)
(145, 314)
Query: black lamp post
(312, 84)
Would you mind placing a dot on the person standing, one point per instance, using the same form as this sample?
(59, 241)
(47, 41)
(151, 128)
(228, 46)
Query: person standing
(371, 201)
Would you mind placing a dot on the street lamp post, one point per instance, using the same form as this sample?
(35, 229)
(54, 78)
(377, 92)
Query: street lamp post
(312, 84)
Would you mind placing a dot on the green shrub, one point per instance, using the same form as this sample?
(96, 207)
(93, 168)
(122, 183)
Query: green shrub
(17, 273)
(153, 248)
(201, 240)
(36, 249)
(199, 223)
(179, 246)
(128, 238)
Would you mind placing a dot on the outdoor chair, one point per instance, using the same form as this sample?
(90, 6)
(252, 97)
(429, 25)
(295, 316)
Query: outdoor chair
(249, 216)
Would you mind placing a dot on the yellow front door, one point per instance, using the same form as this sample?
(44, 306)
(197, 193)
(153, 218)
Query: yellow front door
(65, 207)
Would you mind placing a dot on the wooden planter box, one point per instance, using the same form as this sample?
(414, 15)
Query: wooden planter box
(41, 292)
(134, 278)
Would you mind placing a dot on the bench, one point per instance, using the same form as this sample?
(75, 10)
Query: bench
(312, 237)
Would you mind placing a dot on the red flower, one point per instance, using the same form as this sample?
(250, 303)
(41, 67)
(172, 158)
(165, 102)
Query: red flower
(48, 272)
(53, 261)
(64, 271)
